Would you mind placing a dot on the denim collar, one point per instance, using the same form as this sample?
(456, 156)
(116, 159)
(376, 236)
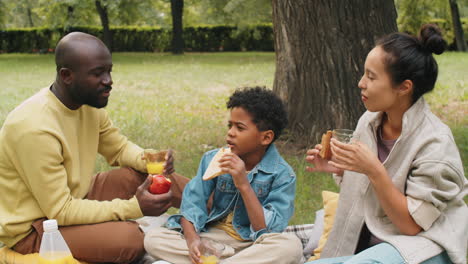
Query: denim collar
(269, 162)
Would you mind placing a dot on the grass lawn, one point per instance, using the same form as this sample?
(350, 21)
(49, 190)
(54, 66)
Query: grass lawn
(161, 101)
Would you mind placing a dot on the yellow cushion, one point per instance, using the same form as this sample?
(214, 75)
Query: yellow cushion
(12, 257)
(330, 203)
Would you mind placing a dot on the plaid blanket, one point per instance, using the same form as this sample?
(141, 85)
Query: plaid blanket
(303, 232)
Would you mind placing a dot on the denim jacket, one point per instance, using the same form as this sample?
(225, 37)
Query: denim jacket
(273, 181)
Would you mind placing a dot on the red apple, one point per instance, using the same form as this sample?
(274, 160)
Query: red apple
(160, 185)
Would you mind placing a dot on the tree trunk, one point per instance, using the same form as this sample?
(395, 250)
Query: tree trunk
(457, 27)
(29, 13)
(177, 9)
(320, 48)
(103, 14)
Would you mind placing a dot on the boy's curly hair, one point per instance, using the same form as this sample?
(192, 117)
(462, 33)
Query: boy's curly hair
(267, 109)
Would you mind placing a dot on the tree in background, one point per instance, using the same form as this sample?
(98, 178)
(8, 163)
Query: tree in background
(457, 27)
(414, 13)
(320, 48)
(2, 14)
(238, 12)
(66, 14)
(177, 11)
(21, 13)
(101, 7)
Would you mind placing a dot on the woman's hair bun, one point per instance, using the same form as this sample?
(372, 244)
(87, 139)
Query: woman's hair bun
(431, 39)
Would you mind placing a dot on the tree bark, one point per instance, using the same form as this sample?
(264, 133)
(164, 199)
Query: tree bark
(177, 9)
(29, 13)
(320, 49)
(457, 27)
(103, 14)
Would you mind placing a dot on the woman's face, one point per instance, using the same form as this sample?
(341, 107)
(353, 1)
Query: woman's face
(377, 90)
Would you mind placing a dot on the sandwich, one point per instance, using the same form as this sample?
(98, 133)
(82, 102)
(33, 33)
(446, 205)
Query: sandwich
(213, 169)
(325, 152)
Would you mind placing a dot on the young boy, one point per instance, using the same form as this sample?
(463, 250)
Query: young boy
(253, 200)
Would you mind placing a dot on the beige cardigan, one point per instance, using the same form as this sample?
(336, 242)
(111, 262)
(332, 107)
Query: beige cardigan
(425, 165)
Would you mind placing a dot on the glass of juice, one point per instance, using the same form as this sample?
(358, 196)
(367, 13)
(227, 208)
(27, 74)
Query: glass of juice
(211, 251)
(155, 161)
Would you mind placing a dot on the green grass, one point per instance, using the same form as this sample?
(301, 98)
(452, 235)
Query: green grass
(161, 101)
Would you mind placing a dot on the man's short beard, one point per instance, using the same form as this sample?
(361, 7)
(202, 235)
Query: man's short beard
(85, 99)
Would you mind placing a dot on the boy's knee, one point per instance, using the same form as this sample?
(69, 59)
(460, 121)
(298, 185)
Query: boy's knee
(292, 245)
(286, 244)
(153, 241)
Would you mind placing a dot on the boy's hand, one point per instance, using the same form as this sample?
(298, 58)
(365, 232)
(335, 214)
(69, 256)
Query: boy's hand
(320, 164)
(231, 163)
(194, 249)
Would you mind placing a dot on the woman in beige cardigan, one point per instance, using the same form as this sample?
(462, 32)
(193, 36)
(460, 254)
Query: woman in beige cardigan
(401, 179)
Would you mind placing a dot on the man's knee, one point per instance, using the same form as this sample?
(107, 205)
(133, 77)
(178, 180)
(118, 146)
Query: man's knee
(129, 242)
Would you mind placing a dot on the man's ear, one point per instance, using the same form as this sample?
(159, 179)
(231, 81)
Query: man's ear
(267, 137)
(66, 75)
(406, 87)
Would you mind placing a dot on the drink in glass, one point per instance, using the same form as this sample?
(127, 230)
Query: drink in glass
(211, 251)
(155, 161)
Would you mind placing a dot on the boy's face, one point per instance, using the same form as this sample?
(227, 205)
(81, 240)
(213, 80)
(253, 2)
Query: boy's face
(243, 136)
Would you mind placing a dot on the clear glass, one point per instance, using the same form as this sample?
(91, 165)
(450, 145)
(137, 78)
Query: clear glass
(211, 251)
(343, 135)
(155, 161)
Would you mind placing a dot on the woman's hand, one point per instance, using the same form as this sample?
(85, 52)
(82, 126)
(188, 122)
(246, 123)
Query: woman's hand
(194, 249)
(356, 157)
(231, 163)
(321, 165)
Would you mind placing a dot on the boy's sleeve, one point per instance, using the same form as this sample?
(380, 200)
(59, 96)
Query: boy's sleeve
(278, 207)
(194, 199)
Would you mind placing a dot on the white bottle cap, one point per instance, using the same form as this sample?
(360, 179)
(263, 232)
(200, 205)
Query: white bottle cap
(50, 225)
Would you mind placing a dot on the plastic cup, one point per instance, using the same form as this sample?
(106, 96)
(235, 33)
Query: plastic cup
(343, 135)
(211, 251)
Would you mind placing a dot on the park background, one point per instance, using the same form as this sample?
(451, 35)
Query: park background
(168, 95)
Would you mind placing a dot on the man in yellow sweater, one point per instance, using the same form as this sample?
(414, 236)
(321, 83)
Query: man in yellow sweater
(48, 148)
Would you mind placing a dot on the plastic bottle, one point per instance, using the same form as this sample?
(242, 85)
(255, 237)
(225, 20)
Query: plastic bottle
(54, 249)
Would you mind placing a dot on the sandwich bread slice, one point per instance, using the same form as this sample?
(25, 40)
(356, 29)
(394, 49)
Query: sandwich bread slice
(325, 152)
(213, 169)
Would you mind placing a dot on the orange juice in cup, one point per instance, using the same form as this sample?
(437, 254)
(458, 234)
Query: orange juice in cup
(212, 259)
(155, 161)
(211, 251)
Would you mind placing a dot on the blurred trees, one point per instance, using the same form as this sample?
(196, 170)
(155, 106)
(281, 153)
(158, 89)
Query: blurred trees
(414, 13)
(457, 27)
(68, 13)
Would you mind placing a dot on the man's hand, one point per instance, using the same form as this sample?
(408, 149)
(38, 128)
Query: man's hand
(152, 204)
(169, 166)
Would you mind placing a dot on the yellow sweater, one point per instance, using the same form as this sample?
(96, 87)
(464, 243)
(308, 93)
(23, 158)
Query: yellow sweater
(47, 159)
